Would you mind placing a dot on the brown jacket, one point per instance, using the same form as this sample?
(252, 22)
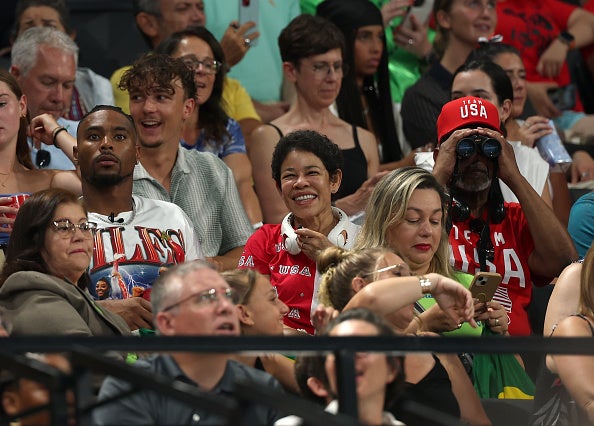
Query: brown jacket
(38, 303)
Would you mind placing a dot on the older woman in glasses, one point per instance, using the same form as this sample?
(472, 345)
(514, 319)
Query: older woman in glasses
(43, 284)
(209, 128)
(312, 49)
(18, 176)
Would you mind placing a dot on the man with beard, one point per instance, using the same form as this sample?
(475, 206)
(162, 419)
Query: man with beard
(520, 241)
(136, 236)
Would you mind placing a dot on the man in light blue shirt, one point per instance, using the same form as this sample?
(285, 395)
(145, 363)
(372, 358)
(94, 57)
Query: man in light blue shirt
(44, 64)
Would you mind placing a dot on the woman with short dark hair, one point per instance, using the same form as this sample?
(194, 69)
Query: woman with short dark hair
(312, 50)
(307, 169)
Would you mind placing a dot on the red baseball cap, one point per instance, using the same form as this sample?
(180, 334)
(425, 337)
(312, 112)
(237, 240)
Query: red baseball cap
(467, 112)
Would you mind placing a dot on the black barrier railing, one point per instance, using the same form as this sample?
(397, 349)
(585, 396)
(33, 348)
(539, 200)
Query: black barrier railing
(303, 345)
(54, 380)
(84, 357)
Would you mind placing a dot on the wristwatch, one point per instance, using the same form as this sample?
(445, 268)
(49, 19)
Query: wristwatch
(567, 38)
(425, 284)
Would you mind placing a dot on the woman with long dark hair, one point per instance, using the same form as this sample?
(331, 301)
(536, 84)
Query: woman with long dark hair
(18, 175)
(312, 49)
(364, 98)
(210, 129)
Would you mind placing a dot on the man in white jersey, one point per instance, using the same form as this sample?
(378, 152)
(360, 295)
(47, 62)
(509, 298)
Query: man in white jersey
(136, 237)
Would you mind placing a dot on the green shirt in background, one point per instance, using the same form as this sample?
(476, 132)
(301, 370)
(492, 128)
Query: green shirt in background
(405, 68)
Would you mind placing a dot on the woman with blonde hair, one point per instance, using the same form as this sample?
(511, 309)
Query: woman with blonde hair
(564, 389)
(261, 313)
(378, 279)
(407, 212)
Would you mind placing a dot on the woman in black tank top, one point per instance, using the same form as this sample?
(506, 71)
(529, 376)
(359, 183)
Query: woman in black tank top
(312, 50)
(565, 388)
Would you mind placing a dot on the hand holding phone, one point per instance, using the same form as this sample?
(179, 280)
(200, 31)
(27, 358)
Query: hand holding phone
(484, 285)
(249, 12)
(564, 98)
(421, 10)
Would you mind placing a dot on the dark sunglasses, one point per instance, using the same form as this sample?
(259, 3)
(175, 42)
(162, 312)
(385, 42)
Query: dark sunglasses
(43, 158)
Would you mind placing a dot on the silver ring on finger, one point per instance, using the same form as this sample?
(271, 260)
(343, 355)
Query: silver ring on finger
(247, 42)
(411, 42)
(496, 322)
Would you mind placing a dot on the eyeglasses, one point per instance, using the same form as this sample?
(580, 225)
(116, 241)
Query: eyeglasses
(322, 69)
(207, 298)
(402, 270)
(210, 66)
(65, 228)
(42, 158)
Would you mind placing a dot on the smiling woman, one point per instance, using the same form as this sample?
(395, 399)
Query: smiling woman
(43, 283)
(307, 169)
(312, 49)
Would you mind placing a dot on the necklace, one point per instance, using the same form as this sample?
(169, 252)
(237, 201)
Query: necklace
(10, 171)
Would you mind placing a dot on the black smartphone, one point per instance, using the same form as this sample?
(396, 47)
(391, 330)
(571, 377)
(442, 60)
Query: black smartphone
(564, 98)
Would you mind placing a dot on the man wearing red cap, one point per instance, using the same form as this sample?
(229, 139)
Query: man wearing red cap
(517, 240)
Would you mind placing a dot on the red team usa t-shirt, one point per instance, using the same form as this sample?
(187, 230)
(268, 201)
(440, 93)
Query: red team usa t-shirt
(513, 245)
(294, 276)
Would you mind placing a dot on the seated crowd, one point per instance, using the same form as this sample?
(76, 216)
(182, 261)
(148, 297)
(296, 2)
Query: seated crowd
(399, 170)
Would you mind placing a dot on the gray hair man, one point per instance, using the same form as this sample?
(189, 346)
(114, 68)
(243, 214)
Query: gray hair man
(44, 62)
(191, 299)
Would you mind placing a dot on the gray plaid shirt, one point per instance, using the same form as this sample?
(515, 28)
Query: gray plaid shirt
(203, 186)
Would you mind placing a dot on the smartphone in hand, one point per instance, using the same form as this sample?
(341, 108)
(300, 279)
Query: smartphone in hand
(249, 10)
(564, 98)
(420, 9)
(484, 285)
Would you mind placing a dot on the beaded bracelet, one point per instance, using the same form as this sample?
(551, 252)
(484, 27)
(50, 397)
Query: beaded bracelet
(425, 284)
